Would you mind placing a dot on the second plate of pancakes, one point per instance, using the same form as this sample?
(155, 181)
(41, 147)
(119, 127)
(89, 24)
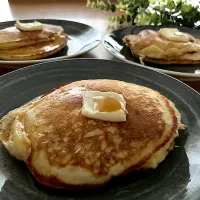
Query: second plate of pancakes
(177, 177)
(114, 44)
(81, 39)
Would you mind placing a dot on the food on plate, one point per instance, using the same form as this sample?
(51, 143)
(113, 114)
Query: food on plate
(28, 41)
(37, 51)
(166, 46)
(67, 143)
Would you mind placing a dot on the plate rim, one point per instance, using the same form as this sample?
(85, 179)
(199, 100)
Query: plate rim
(96, 59)
(17, 62)
(180, 74)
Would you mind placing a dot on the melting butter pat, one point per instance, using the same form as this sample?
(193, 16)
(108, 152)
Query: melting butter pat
(174, 34)
(106, 106)
(34, 26)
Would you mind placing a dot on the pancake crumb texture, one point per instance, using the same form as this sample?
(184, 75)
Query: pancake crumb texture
(64, 149)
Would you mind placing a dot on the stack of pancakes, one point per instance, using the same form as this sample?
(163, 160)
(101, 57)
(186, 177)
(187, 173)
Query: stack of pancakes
(16, 44)
(64, 149)
(151, 46)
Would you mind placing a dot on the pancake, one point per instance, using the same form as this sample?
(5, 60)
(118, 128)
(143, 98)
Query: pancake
(188, 58)
(13, 38)
(64, 149)
(37, 51)
(151, 46)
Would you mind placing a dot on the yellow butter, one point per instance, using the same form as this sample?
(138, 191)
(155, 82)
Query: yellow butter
(115, 112)
(34, 26)
(152, 51)
(173, 34)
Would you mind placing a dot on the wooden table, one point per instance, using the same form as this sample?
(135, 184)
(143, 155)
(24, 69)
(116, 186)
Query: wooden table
(73, 10)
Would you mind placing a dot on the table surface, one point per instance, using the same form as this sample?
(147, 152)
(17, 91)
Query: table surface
(73, 10)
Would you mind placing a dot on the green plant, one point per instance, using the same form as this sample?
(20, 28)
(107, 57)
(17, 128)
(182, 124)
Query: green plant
(152, 12)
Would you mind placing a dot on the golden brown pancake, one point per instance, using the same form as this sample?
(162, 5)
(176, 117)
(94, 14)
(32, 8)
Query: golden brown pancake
(64, 149)
(188, 58)
(13, 38)
(37, 51)
(151, 46)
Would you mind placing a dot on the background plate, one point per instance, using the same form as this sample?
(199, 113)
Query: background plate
(178, 177)
(114, 44)
(82, 38)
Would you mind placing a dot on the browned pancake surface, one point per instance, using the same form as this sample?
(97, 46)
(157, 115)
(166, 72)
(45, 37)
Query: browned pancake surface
(11, 38)
(56, 126)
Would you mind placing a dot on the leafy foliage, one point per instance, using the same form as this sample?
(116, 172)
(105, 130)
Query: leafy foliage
(152, 12)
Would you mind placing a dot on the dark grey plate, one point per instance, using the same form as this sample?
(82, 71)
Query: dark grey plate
(114, 44)
(82, 38)
(175, 178)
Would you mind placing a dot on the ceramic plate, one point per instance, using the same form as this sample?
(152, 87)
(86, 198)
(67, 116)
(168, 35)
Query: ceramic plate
(82, 38)
(114, 44)
(177, 178)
